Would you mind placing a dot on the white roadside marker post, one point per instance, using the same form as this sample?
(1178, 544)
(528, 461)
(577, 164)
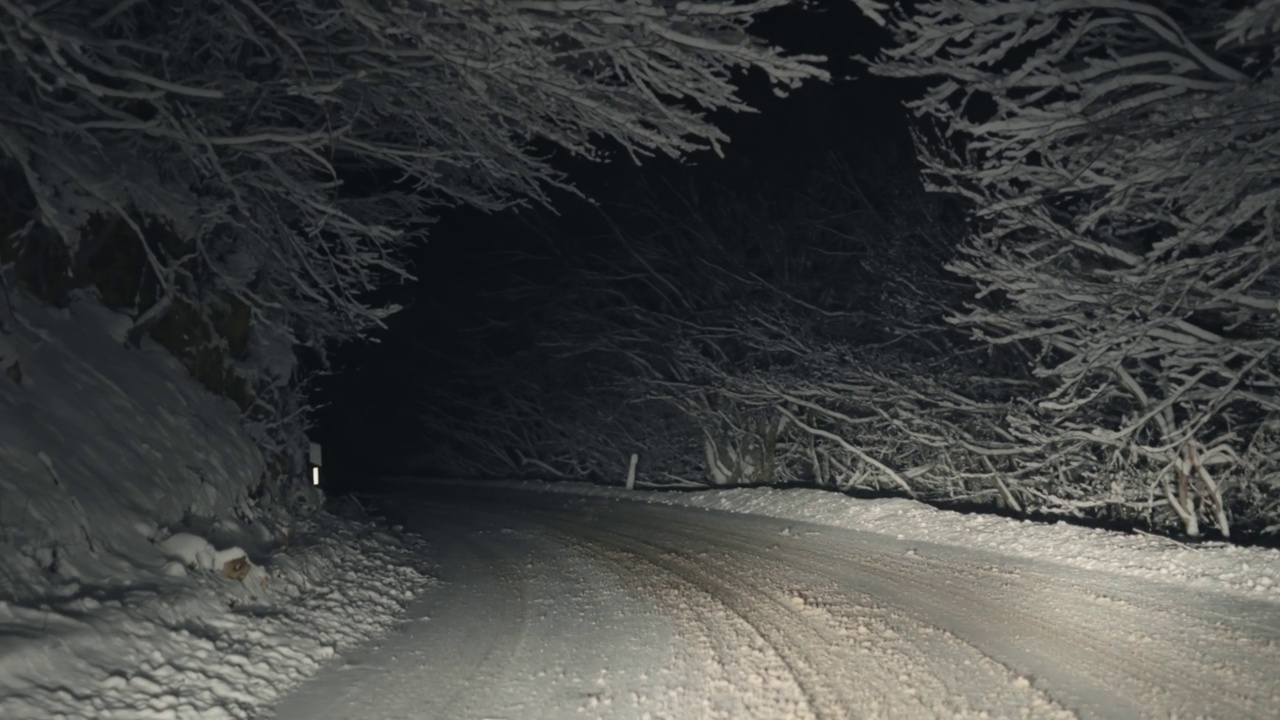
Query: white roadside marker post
(631, 472)
(315, 457)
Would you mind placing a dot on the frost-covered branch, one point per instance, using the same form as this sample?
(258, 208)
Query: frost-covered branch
(1121, 167)
(301, 146)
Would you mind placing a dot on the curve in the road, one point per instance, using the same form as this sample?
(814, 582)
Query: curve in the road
(599, 608)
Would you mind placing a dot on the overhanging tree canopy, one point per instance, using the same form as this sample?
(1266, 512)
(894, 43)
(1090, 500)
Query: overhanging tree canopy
(293, 148)
(1121, 159)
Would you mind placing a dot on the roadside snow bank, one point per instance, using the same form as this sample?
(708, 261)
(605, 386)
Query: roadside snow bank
(137, 578)
(1221, 566)
(206, 646)
(102, 448)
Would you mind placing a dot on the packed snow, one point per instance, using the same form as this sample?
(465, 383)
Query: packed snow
(138, 579)
(559, 601)
(1252, 571)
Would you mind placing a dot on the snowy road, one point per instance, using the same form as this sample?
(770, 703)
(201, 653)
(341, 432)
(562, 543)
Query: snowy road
(561, 607)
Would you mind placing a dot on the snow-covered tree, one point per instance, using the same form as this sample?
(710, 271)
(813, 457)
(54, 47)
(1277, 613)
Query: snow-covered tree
(732, 338)
(1122, 160)
(283, 152)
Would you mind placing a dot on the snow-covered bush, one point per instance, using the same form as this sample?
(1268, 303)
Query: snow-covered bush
(1121, 162)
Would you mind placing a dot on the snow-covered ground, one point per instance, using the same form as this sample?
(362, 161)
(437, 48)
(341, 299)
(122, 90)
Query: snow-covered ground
(137, 577)
(1252, 571)
(139, 581)
(103, 449)
(205, 646)
(562, 602)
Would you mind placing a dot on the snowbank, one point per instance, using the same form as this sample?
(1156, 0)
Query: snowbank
(137, 578)
(102, 448)
(206, 646)
(1245, 570)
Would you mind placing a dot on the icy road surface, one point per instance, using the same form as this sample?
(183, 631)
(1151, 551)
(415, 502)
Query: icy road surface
(559, 607)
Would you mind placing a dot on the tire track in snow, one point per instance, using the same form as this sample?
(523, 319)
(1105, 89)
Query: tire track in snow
(575, 641)
(786, 689)
(479, 649)
(642, 611)
(501, 642)
(819, 646)
(1043, 627)
(1080, 645)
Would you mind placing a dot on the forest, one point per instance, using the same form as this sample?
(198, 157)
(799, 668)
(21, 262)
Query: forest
(1064, 300)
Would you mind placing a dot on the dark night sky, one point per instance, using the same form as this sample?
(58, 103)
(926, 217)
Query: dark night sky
(369, 418)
